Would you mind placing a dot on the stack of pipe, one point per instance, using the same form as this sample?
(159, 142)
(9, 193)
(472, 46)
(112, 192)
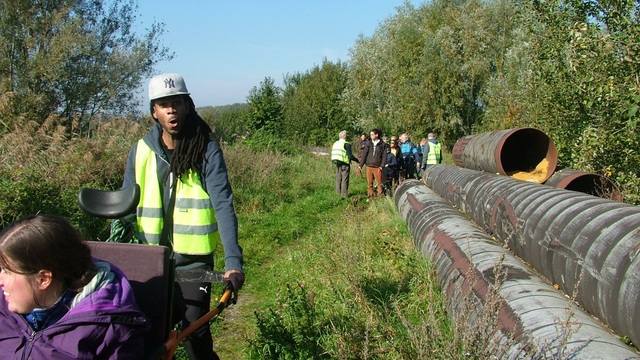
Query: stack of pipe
(534, 319)
(527, 154)
(582, 243)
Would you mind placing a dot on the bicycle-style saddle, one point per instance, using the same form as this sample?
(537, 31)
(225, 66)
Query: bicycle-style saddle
(110, 204)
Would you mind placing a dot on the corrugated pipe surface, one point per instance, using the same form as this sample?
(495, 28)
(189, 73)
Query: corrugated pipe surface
(525, 153)
(533, 320)
(578, 241)
(585, 182)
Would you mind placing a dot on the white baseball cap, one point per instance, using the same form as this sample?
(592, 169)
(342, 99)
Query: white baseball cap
(164, 85)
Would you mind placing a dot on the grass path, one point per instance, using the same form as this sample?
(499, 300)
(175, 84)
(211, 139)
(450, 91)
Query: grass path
(368, 292)
(287, 244)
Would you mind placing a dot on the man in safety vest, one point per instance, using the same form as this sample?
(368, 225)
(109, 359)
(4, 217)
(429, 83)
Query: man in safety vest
(432, 153)
(186, 201)
(342, 156)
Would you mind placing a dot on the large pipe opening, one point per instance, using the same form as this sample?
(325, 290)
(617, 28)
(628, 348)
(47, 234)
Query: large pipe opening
(527, 150)
(526, 153)
(585, 182)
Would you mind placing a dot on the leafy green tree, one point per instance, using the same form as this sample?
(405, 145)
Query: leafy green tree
(313, 112)
(425, 68)
(74, 58)
(228, 122)
(573, 73)
(265, 108)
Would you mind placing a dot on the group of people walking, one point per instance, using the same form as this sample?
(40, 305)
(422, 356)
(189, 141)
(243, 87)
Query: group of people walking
(387, 161)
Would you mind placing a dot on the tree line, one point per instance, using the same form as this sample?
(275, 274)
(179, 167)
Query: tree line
(454, 67)
(569, 68)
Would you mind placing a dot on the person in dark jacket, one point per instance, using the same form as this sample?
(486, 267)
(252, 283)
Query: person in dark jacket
(362, 143)
(374, 156)
(186, 200)
(392, 168)
(58, 302)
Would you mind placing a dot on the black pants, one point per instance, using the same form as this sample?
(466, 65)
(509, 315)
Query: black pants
(409, 167)
(192, 301)
(391, 176)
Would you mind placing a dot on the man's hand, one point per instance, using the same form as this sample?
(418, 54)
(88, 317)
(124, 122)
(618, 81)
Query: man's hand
(359, 171)
(236, 277)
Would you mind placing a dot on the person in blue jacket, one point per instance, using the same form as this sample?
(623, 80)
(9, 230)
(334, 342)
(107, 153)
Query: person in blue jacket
(186, 200)
(410, 157)
(60, 303)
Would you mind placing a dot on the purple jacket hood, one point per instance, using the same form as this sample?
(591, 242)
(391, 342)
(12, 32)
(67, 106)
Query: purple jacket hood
(107, 324)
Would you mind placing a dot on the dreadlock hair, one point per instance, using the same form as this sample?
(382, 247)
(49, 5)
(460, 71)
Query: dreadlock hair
(191, 142)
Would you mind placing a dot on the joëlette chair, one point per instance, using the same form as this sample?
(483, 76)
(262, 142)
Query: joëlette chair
(149, 269)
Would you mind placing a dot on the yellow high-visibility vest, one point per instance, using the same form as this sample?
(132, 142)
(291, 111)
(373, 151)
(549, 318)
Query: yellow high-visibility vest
(433, 156)
(338, 151)
(195, 230)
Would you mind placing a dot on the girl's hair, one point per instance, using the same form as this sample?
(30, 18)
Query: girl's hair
(192, 141)
(46, 242)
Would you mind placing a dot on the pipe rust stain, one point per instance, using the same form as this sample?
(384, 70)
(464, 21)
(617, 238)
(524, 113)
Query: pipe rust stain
(415, 204)
(505, 210)
(452, 188)
(507, 320)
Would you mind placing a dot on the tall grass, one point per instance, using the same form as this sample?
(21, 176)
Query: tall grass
(43, 168)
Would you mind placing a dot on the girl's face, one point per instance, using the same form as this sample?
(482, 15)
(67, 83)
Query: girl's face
(18, 291)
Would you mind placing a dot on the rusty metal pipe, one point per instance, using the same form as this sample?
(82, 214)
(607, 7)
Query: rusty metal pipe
(585, 182)
(526, 153)
(580, 242)
(532, 317)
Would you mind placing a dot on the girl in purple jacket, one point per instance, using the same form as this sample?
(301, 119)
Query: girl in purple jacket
(58, 302)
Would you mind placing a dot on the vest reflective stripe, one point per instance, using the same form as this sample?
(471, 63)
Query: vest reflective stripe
(433, 156)
(195, 230)
(193, 203)
(338, 151)
(149, 213)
